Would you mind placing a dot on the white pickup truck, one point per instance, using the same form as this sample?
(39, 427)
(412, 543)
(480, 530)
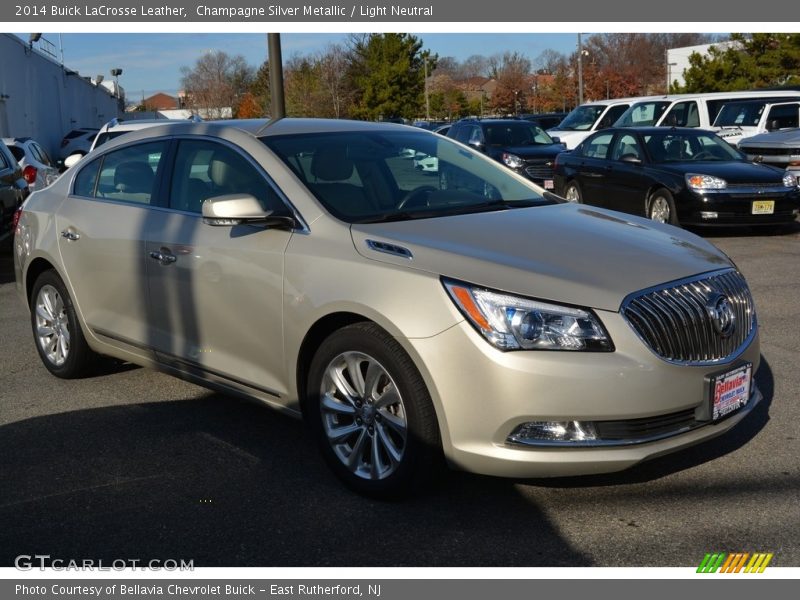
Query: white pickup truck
(743, 119)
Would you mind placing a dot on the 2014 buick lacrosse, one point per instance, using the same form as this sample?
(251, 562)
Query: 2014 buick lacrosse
(408, 316)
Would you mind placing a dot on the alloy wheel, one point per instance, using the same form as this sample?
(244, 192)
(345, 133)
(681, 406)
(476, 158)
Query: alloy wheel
(659, 210)
(52, 325)
(363, 415)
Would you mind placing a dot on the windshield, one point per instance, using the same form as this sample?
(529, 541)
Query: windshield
(582, 118)
(642, 114)
(740, 114)
(515, 133)
(381, 175)
(682, 147)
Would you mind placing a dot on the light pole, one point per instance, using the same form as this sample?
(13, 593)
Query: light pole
(580, 70)
(669, 73)
(115, 73)
(581, 54)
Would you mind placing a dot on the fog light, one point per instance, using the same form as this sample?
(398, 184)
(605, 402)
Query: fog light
(708, 215)
(537, 432)
(796, 211)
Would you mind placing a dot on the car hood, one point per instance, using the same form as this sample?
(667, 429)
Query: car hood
(787, 138)
(569, 137)
(563, 253)
(730, 171)
(531, 151)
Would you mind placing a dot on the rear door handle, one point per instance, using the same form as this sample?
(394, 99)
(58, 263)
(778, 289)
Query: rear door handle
(70, 235)
(163, 257)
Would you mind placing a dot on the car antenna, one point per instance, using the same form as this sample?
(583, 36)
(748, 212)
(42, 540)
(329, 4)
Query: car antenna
(267, 125)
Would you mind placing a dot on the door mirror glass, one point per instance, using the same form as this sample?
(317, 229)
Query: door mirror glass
(72, 160)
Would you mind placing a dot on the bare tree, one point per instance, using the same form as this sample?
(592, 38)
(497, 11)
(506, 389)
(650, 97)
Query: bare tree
(333, 63)
(215, 83)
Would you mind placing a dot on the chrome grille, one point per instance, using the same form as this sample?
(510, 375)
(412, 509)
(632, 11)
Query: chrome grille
(676, 323)
(769, 151)
(539, 170)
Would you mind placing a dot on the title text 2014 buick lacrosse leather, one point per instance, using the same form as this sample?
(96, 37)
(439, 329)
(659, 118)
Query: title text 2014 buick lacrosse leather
(407, 316)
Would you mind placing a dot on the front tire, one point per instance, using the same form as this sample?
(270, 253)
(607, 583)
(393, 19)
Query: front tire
(56, 331)
(661, 208)
(371, 412)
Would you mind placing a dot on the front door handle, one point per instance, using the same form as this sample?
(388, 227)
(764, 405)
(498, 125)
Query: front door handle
(70, 235)
(165, 258)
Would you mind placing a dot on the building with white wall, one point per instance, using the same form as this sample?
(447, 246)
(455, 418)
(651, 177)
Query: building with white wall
(678, 59)
(42, 99)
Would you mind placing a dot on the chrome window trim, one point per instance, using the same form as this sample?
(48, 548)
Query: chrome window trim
(679, 282)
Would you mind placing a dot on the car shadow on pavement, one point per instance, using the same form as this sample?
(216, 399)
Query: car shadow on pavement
(688, 458)
(228, 483)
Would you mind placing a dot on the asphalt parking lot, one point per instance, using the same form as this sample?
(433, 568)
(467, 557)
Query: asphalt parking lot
(134, 464)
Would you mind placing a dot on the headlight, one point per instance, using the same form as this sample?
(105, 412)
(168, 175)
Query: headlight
(514, 323)
(513, 161)
(701, 183)
(789, 180)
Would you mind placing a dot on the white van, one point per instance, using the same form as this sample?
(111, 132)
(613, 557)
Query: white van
(747, 118)
(692, 110)
(589, 117)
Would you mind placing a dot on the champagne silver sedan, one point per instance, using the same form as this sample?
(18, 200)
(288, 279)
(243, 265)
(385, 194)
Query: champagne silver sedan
(411, 318)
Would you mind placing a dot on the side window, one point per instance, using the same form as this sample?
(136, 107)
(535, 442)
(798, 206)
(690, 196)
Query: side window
(683, 114)
(597, 147)
(783, 117)
(4, 164)
(86, 179)
(611, 116)
(17, 152)
(627, 146)
(129, 174)
(476, 136)
(462, 133)
(204, 169)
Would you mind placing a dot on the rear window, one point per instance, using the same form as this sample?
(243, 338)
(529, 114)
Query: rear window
(17, 152)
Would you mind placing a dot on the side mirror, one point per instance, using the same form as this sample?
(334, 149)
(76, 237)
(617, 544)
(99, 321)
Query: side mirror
(773, 125)
(556, 140)
(234, 209)
(477, 145)
(72, 160)
(631, 159)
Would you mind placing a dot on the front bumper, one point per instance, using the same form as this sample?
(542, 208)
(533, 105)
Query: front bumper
(483, 394)
(731, 208)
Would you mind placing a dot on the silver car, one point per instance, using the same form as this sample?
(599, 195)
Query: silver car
(408, 317)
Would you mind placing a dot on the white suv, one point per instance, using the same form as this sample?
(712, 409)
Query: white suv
(117, 127)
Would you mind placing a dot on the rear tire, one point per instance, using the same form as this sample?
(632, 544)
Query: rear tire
(371, 413)
(56, 331)
(572, 193)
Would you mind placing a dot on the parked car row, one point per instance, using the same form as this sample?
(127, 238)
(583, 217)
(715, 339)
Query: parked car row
(13, 190)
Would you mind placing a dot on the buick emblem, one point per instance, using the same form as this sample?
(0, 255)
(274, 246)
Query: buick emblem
(721, 313)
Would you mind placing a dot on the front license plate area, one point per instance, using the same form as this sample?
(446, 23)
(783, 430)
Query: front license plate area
(728, 391)
(763, 207)
(548, 184)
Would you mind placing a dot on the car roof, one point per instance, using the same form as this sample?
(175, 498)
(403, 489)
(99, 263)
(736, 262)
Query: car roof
(285, 126)
(654, 129)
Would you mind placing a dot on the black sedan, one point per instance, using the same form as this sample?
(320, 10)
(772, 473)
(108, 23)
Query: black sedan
(676, 175)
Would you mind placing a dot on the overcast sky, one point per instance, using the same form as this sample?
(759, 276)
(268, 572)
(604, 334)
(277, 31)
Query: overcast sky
(151, 63)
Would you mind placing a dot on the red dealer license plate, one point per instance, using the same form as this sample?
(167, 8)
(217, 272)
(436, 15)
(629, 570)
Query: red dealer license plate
(730, 390)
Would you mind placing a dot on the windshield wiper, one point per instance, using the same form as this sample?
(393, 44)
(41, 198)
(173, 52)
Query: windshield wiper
(461, 209)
